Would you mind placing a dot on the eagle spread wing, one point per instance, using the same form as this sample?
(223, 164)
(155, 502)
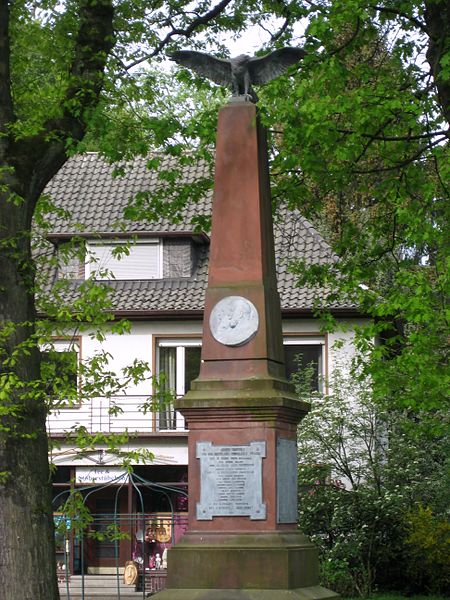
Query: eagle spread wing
(216, 69)
(265, 68)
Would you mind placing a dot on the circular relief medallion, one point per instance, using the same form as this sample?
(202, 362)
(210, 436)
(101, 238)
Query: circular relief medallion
(233, 321)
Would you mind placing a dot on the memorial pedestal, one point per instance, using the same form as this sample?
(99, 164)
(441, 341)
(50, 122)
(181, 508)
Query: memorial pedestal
(242, 540)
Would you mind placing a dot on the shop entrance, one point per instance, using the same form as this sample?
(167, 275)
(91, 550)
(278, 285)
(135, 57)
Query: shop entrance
(107, 539)
(127, 519)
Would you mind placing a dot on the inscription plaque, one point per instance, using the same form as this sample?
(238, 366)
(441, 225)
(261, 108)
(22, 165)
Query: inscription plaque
(231, 481)
(287, 464)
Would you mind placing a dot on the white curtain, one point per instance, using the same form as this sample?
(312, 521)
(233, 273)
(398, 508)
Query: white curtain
(167, 366)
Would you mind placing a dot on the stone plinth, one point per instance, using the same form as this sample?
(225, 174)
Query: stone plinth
(242, 414)
(244, 561)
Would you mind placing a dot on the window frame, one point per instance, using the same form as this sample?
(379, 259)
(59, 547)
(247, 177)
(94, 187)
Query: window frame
(312, 339)
(180, 342)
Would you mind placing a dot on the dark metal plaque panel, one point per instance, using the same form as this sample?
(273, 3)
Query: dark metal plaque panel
(287, 477)
(231, 481)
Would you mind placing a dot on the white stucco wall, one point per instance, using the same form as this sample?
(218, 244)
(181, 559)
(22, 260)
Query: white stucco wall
(341, 346)
(139, 344)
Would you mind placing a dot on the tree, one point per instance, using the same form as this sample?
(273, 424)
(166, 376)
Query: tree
(359, 136)
(373, 491)
(61, 64)
(363, 152)
(31, 151)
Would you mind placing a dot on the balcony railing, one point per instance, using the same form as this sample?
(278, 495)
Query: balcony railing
(115, 415)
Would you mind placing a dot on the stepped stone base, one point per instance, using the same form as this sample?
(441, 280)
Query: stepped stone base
(244, 560)
(279, 565)
(307, 593)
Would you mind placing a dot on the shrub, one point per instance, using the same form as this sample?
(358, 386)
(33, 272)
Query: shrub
(428, 550)
(363, 470)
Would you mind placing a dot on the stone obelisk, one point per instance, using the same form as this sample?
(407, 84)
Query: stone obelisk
(242, 541)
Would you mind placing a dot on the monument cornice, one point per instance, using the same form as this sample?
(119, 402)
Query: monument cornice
(201, 412)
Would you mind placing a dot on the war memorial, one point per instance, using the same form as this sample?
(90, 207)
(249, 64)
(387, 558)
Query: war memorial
(243, 540)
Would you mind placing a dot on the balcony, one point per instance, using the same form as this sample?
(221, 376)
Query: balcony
(115, 415)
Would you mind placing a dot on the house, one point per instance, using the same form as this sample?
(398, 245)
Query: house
(157, 282)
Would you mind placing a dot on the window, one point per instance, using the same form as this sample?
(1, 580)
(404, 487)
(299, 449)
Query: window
(104, 530)
(300, 352)
(71, 260)
(122, 261)
(60, 371)
(179, 361)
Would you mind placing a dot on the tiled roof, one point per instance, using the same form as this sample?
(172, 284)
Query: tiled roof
(95, 198)
(85, 187)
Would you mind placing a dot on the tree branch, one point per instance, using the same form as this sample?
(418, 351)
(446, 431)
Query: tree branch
(349, 40)
(275, 36)
(38, 159)
(399, 13)
(400, 138)
(437, 18)
(94, 42)
(195, 24)
(316, 6)
(400, 164)
(379, 130)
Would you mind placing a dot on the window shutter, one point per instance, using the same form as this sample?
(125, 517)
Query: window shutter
(142, 262)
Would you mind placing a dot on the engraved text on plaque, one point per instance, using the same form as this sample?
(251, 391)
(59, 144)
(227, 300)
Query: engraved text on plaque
(231, 481)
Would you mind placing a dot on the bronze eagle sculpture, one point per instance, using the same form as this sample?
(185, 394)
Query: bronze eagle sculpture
(240, 72)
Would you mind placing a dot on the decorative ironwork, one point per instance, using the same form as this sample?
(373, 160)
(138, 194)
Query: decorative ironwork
(142, 525)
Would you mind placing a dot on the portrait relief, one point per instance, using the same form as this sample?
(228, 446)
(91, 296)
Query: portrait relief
(234, 321)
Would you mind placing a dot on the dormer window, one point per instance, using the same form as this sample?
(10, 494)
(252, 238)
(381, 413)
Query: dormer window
(123, 260)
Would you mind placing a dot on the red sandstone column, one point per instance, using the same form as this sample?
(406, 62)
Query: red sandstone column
(242, 258)
(242, 541)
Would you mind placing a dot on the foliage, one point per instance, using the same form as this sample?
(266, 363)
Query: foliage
(64, 67)
(366, 149)
(428, 545)
(363, 471)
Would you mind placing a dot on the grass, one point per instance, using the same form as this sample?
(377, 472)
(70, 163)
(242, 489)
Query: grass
(393, 596)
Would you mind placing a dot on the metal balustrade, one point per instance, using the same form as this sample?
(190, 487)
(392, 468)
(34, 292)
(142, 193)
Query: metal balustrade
(94, 548)
(115, 415)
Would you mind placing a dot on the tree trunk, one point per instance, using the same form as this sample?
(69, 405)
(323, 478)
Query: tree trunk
(437, 19)
(27, 547)
(27, 554)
